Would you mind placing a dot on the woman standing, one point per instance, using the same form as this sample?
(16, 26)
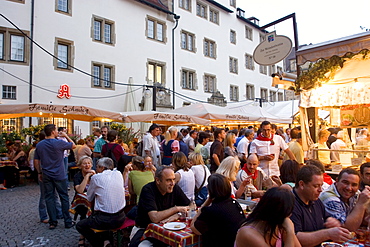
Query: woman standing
(170, 146)
(269, 224)
(220, 216)
(230, 149)
(323, 156)
(201, 174)
(184, 177)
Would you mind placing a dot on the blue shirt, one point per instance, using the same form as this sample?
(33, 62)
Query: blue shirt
(50, 152)
(99, 144)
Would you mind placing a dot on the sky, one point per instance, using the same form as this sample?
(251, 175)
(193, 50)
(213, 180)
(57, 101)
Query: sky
(317, 20)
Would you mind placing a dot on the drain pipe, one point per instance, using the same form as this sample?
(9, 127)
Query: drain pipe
(31, 55)
(177, 17)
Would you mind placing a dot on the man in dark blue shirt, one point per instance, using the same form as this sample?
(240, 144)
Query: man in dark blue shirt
(49, 163)
(311, 222)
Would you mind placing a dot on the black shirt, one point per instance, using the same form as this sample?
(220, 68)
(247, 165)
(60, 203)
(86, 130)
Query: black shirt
(308, 218)
(216, 148)
(151, 199)
(220, 222)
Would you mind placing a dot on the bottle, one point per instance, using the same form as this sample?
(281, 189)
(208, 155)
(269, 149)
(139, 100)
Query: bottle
(192, 211)
(248, 194)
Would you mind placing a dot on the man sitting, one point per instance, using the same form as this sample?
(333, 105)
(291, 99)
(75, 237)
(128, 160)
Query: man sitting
(312, 223)
(258, 178)
(160, 201)
(344, 202)
(107, 189)
(365, 175)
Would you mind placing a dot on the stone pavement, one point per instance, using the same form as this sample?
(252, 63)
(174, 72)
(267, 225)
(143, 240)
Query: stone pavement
(19, 220)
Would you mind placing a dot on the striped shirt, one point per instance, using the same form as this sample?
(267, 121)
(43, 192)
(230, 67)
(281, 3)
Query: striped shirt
(108, 191)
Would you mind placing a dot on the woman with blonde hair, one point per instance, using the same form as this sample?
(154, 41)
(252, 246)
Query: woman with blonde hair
(170, 145)
(229, 167)
(184, 177)
(323, 156)
(229, 142)
(201, 174)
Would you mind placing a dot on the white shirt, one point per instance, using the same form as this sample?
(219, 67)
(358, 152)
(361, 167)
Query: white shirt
(151, 144)
(187, 183)
(262, 148)
(242, 147)
(338, 144)
(198, 171)
(108, 191)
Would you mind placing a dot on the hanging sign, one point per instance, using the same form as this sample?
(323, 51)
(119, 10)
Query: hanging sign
(273, 49)
(64, 91)
(353, 116)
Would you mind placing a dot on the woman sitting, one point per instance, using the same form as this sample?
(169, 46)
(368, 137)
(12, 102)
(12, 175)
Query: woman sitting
(269, 223)
(220, 216)
(80, 205)
(288, 173)
(201, 174)
(229, 167)
(184, 177)
(20, 157)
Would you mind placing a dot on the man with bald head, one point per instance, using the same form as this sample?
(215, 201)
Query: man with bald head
(259, 181)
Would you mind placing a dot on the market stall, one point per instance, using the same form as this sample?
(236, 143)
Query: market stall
(338, 80)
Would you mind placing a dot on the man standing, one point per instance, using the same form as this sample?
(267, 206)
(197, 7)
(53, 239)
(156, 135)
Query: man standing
(295, 145)
(338, 144)
(344, 202)
(99, 144)
(50, 152)
(106, 188)
(191, 140)
(365, 175)
(160, 201)
(267, 147)
(151, 144)
(312, 223)
(244, 143)
(217, 149)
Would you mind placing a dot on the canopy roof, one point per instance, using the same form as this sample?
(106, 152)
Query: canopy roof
(81, 113)
(167, 118)
(241, 113)
(354, 43)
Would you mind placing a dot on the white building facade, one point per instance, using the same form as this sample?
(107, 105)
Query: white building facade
(205, 55)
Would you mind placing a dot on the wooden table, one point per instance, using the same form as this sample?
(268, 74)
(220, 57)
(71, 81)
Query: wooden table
(181, 238)
(9, 168)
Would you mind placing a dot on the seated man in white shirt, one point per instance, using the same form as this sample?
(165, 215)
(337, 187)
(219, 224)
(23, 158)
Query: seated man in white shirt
(107, 190)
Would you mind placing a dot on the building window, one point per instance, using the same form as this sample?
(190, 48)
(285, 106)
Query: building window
(280, 96)
(9, 92)
(264, 94)
(214, 16)
(103, 75)
(185, 4)
(232, 37)
(8, 125)
(292, 65)
(103, 30)
(188, 79)
(262, 37)
(64, 52)
(209, 83)
(263, 69)
(248, 33)
(201, 10)
(187, 41)
(13, 46)
(272, 96)
(233, 65)
(63, 6)
(249, 93)
(249, 62)
(155, 29)
(156, 73)
(209, 48)
(234, 93)
(272, 69)
(17, 48)
(233, 3)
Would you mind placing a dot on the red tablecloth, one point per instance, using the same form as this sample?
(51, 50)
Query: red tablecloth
(181, 238)
(80, 199)
(8, 163)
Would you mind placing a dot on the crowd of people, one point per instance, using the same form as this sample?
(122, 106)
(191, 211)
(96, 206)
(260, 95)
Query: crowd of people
(298, 203)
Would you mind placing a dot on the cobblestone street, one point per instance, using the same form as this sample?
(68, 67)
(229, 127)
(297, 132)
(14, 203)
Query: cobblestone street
(20, 224)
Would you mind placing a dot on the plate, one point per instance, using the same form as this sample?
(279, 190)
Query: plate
(174, 226)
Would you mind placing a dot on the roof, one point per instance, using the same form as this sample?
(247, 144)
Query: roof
(354, 44)
(157, 4)
(220, 6)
